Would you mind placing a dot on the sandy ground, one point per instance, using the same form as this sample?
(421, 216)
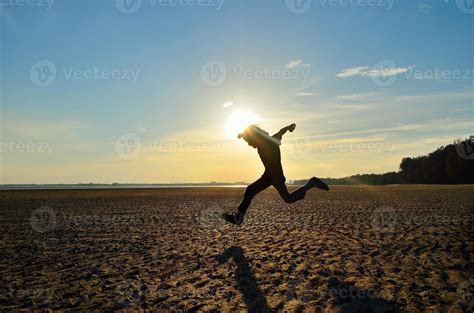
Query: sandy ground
(353, 249)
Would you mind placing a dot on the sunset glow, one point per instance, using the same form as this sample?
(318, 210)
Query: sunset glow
(239, 120)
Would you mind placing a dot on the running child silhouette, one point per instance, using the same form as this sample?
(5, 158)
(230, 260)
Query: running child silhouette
(268, 148)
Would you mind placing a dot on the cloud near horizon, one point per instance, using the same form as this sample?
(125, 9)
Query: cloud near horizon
(306, 94)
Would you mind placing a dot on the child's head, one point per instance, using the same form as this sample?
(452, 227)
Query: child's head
(253, 135)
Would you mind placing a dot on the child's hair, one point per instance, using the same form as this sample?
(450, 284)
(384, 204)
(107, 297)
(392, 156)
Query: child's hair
(254, 130)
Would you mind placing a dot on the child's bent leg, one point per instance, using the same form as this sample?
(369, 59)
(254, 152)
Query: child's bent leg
(295, 195)
(300, 193)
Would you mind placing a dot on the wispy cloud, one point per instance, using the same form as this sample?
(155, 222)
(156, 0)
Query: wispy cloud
(227, 104)
(395, 129)
(444, 96)
(354, 71)
(297, 105)
(307, 94)
(358, 96)
(374, 71)
(424, 8)
(352, 106)
(297, 63)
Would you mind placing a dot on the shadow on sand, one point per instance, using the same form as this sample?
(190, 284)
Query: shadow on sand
(347, 298)
(350, 299)
(246, 280)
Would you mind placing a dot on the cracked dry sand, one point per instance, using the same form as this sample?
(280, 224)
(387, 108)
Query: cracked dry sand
(366, 249)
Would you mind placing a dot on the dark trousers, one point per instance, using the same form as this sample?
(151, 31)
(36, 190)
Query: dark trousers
(266, 181)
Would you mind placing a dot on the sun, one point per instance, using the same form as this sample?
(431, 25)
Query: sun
(239, 120)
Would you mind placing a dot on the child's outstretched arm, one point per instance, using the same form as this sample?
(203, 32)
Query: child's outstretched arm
(282, 131)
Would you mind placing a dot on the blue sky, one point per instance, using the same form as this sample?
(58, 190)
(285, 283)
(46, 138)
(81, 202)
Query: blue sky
(362, 86)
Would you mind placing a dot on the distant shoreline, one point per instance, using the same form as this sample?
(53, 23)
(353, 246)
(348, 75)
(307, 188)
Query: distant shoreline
(114, 186)
(172, 186)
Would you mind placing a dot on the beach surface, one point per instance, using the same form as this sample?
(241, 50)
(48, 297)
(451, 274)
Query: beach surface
(353, 249)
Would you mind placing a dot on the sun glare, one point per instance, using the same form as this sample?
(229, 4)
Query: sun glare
(239, 120)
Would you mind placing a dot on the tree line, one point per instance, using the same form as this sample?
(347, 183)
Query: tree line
(451, 164)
